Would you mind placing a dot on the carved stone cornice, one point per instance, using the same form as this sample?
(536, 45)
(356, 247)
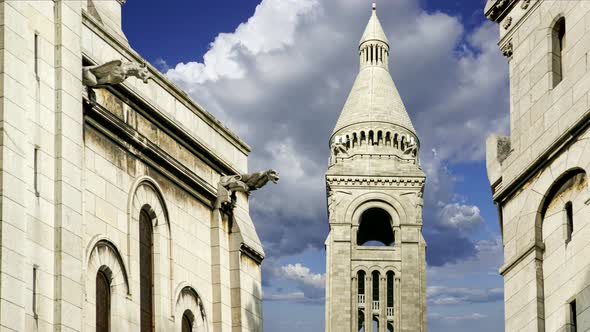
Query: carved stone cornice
(251, 253)
(495, 11)
(416, 182)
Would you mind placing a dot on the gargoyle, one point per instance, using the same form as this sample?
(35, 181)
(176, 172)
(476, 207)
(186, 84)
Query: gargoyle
(243, 183)
(113, 73)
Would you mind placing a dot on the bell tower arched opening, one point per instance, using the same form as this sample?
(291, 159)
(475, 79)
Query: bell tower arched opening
(375, 228)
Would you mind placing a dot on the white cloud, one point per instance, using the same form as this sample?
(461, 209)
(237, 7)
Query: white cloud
(304, 275)
(271, 29)
(460, 216)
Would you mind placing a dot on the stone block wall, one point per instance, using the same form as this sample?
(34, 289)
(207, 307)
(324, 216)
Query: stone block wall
(539, 174)
(76, 170)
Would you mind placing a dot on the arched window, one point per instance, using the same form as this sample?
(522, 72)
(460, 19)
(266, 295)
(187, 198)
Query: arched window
(375, 289)
(375, 323)
(389, 327)
(569, 218)
(146, 268)
(103, 302)
(361, 284)
(187, 321)
(375, 228)
(389, 289)
(361, 322)
(558, 40)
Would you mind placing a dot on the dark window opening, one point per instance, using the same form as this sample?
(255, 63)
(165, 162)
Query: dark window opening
(559, 44)
(375, 228)
(36, 51)
(361, 322)
(389, 327)
(375, 286)
(187, 321)
(103, 302)
(573, 317)
(390, 289)
(569, 215)
(375, 324)
(361, 282)
(146, 271)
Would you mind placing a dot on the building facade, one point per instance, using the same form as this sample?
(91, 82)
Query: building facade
(538, 174)
(110, 207)
(375, 275)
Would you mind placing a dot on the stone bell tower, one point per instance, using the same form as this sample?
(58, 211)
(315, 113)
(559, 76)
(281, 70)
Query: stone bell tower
(375, 249)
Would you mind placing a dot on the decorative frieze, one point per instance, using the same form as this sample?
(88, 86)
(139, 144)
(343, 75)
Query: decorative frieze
(375, 181)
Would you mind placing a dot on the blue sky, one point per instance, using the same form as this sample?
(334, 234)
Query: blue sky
(278, 72)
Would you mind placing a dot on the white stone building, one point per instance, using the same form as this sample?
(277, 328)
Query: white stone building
(375, 275)
(108, 202)
(539, 173)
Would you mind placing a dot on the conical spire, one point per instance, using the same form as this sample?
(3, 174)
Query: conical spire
(374, 98)
(374, 30)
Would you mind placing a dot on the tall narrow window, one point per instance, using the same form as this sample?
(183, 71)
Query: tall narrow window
(361, 282)
(573, 317)
(36, 50)
(35, 314)
(558, 53)
(389, 290)
(103, 302)
(569, 217)
(375, 286)
(146, 272)
(187, 322)
(375, 324)
(36, 171)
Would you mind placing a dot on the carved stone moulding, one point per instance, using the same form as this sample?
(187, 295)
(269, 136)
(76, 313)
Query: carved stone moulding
(525, 4)
(372, 181)
(496, 10)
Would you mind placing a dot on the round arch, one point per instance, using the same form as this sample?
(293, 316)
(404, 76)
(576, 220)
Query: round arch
(376, 200)
(147, 195)
(103, 256)
(187, 299)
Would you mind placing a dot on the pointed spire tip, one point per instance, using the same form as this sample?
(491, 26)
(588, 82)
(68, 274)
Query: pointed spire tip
(374, 6)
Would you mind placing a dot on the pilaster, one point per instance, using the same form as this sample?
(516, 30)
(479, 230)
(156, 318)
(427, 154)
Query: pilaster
(68, 172)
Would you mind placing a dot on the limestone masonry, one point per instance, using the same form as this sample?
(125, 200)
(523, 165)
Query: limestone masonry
(124, 204)
(375, 252)
(539, 173)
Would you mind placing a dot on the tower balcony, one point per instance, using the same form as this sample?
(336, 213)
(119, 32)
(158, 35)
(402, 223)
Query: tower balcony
(375, 305)
(389, 313)
(361, 300)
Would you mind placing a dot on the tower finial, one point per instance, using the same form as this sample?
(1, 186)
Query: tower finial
(374, 6)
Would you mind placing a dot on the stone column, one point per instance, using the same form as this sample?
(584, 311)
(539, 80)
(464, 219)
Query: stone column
(221, 316)
(382, 304)
(354, 304)
(397, 304)
(369, 303)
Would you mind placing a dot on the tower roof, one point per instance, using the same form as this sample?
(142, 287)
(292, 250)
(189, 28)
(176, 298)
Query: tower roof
(374, 30)
(374, 96)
